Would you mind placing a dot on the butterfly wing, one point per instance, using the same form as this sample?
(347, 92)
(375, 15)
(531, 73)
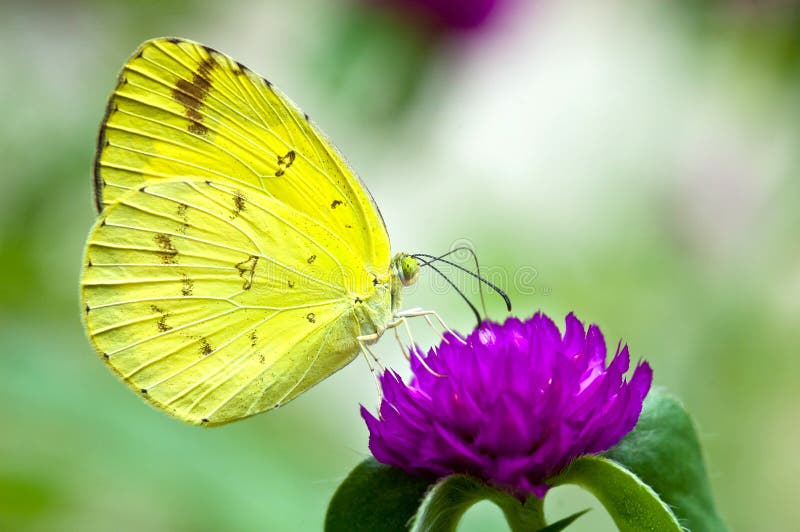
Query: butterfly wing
(219, 279)
(215, 303)
(181, 109)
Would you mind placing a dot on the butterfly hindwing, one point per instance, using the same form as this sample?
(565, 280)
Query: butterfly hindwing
(216, 305)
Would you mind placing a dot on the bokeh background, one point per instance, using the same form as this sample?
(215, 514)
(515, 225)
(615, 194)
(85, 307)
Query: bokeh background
(634, 161)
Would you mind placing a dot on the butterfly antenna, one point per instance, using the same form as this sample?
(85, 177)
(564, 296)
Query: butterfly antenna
(477, 272)
(427, 259)
(464, 297)
(478, 276)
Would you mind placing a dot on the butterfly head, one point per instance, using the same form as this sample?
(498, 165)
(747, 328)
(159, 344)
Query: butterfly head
(406, 268)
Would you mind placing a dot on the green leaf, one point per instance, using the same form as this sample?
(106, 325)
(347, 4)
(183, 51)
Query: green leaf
(632, 504)
(561, 524)
(375, 498)
(446, 502)
(664, 452)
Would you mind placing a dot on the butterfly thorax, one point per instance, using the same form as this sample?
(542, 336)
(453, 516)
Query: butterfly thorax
(379, 309)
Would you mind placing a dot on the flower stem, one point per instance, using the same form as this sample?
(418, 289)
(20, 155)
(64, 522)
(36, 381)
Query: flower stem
(523, 517)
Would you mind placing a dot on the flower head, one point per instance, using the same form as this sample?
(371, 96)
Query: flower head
(512, 404)
(455, 14)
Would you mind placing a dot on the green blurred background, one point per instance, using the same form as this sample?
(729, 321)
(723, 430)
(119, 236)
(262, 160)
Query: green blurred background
(633, 162)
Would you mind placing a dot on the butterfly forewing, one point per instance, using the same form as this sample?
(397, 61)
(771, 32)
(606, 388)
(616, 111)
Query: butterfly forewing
(183, 110)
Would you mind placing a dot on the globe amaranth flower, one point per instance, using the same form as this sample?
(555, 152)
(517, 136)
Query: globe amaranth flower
(455, 14)
(512, 404)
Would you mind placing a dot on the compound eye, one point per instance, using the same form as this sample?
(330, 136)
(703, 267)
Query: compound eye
(409, 269)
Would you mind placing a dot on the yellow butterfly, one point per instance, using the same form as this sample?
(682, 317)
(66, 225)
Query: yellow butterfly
(237, 260)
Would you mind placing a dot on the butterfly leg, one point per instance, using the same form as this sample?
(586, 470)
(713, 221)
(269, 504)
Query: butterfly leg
(400, 342)
(415, 352)
(432, 326)
(367, 352)
(417, 312)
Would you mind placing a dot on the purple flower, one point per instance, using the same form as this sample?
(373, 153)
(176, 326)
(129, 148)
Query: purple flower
(513, 404)
(457, 14)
